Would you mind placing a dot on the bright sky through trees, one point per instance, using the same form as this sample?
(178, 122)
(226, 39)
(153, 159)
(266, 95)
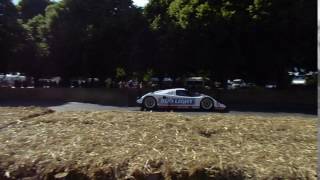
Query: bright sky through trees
(318, 10)
(140, 2)
(136, 2)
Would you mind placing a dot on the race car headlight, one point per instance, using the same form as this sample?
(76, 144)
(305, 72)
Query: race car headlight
(139, 101)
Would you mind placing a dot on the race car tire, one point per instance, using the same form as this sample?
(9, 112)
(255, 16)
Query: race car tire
(149, 103)
(206, 104)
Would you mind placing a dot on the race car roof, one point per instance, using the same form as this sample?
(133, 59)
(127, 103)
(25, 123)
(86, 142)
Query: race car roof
(165, 91)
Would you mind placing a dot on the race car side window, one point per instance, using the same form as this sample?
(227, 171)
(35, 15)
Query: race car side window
(182, 93)
(171, 93)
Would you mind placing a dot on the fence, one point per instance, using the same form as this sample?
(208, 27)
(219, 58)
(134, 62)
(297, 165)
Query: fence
(293, 100)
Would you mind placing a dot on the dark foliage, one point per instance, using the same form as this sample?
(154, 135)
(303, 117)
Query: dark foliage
(258, 40)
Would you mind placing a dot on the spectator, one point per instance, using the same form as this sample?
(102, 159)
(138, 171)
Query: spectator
(120, 84)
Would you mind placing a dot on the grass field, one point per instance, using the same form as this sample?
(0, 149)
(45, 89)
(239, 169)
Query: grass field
(37, 143)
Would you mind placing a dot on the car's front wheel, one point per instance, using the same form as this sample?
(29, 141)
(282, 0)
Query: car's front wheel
(149, 103)
(206, 104)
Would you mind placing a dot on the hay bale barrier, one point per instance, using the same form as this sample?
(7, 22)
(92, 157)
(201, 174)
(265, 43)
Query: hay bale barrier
(40, 144)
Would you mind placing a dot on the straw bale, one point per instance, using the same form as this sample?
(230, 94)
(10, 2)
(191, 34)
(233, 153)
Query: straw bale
(155, 145)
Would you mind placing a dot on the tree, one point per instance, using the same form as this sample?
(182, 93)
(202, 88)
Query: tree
(251, 39)
(36, 47)
(258, 40)
(92, 38)
(148, 75)
(120, 73)
(11, 34)
(32, 8)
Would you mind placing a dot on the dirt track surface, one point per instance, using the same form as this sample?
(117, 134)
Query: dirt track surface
(76, 106)
(79, 106)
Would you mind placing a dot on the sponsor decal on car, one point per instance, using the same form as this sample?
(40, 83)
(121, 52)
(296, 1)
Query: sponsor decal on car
(175, 101)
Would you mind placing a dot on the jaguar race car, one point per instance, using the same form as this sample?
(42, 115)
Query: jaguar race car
(179, 98)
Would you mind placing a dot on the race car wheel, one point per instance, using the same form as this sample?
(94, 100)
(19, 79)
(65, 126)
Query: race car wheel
(206, 104)
(149, 103)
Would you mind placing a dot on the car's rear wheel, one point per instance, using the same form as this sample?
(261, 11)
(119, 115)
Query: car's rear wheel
(149, 103)
(206, 104)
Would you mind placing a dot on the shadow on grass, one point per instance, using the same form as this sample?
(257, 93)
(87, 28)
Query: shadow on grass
(113, 174)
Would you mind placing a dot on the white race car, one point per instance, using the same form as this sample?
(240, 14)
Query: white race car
(179, 98)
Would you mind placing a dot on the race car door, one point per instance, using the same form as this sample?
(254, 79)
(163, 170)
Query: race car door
(167, 99)
(183, 99)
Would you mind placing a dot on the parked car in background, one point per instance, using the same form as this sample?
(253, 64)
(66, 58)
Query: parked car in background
(271, 85)
(17, 76)
(12, 80)
(236, 83)
(92, 82)
(132, 84)
(251, 85)
(154, 82)
(77, 83)
(217, 84)
(167, 82)
(299, 80)
(197, 83)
